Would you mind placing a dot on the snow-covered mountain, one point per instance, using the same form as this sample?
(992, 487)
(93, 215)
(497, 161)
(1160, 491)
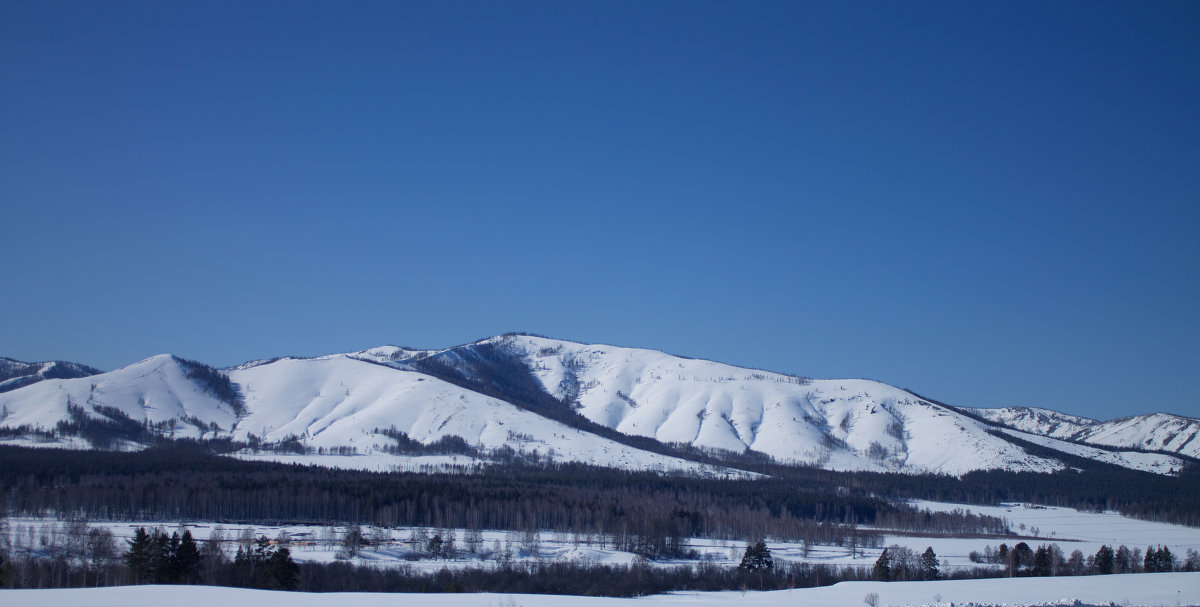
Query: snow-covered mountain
(163, 392)
(343, 401)
(598, 404)
(1152, 432)
(16, 374)
(837, 424)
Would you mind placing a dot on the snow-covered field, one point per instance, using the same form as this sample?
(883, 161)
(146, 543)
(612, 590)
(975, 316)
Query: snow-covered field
(1086, 531)
(1149, 589)
(1070, 529)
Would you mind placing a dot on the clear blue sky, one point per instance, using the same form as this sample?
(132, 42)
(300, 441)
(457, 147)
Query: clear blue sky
(991, 203)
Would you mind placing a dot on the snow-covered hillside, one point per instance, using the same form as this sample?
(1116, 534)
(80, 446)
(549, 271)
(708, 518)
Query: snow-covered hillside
(1154, 432)
(156, 390)
(333, 403)
(339, 401)
(16, 374)
(578, 402)
(838, 424)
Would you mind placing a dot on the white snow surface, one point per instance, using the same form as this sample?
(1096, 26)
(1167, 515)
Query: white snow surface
(1155, 431)
(338, 400)
(19, 373)
(844, 424)
(154, 390)
(1137, 460)
(1131, 590)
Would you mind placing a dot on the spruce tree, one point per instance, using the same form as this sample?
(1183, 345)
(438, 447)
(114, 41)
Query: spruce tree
(883, 567)
(1105, 559)
(757, 558)
(1166, 560)
(929, 564)
(139, 555)
(1122, 563)
(1041, 561)
(282, 573)
(187, 559)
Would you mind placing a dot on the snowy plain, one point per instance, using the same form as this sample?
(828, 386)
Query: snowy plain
(393, 547)
(1129, 590)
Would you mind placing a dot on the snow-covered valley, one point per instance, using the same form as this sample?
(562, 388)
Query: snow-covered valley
(406, 547)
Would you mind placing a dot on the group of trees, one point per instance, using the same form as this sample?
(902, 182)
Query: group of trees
(265, 565)
(154, 558)
(900, 564)
(405, 445)
(75, 554)
(1049, 560)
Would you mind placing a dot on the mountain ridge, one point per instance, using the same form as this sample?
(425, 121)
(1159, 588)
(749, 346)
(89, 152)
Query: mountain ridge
(18, 374)
(595, 403)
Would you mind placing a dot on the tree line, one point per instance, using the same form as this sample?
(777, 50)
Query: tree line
(1049, 560)
(173, 482)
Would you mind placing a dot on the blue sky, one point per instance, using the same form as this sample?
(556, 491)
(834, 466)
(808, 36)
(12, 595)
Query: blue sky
(991, 203)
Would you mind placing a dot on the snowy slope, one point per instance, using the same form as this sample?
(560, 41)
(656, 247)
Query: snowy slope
(1136, 460)
(524, 392)
(338, 400)
(1154, 432)
(327, 402)
(155, 390)
(16, 374)
(837, 424)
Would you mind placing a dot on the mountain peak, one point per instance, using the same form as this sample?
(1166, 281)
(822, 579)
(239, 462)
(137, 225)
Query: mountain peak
(639, 402)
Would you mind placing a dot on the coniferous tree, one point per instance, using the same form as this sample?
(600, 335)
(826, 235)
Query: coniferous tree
(167, 570)
(187, 560)
(1041, 561)
(282, 573)
(139, 556)
(757, 558)
(1159, 559)
(1021, 554)
(929, 564)
(1150, 565)
(883, 567)
(1105, 559)
(1121, 561)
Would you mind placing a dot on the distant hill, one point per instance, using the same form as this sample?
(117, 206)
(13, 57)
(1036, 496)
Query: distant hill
(599, 404)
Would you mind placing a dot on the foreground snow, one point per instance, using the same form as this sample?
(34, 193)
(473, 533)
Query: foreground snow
(1148, 589)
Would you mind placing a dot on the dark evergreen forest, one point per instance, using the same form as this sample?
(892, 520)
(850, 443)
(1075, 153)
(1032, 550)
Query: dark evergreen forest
(177, 482)
(183, 479)
(645, 513)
